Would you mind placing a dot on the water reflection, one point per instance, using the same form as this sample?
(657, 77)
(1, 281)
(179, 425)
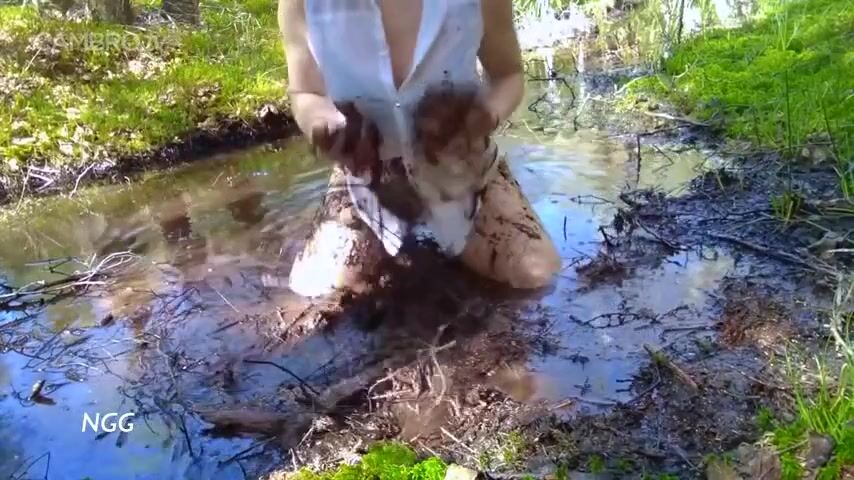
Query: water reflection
(215, 240)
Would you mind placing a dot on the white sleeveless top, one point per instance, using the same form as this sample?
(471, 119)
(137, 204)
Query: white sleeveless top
(348, 42)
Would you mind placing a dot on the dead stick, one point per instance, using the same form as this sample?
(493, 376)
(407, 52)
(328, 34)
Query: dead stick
(286, 370)
(667, 116)
(779, 255)
(662, 359)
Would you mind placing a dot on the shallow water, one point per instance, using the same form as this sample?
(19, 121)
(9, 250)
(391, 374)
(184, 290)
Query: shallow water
(215, 240)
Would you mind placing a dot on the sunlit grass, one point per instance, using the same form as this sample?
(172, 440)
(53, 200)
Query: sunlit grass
(76, 90)
(780, 82)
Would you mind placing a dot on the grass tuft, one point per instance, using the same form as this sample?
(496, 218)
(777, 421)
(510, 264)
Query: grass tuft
(826, 407)
(384, 461)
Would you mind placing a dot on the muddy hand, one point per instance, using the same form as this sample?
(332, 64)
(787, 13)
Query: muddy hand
(352, 142)
(453, 121)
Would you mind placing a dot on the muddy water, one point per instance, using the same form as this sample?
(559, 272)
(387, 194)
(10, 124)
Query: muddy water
(214, 241)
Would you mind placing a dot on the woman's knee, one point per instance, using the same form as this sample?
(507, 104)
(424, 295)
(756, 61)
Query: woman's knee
(336, 257)
(536, 268)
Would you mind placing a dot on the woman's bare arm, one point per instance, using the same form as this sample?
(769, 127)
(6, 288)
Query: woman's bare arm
(501, 58)
(311, 107)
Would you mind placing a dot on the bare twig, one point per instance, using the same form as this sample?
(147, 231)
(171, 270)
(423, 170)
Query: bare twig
(662, 359)
(667, 116)
(457, 440)
(814, 265)
(80, 177)
(286, 370)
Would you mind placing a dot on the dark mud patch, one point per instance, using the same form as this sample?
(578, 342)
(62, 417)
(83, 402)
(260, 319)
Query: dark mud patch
(447, 359)
(755, 321)
(271, 123)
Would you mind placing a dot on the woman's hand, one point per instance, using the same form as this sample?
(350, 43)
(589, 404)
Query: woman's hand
(454, 122)
(344, 136)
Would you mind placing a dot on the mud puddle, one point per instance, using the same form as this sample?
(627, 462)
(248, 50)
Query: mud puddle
(175, 330)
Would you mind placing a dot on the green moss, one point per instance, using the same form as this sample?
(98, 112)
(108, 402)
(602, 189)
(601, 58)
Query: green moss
(72, 90)
(513, 449)
(384, 461)
(777, 81)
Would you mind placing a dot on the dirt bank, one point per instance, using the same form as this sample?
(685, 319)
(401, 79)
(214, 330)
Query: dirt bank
(271, 123)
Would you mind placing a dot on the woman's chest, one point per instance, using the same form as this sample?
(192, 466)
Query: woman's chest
(393, 49)
(401, 23)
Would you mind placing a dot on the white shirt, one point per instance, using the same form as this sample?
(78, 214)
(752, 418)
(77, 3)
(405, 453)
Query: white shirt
(348, 42)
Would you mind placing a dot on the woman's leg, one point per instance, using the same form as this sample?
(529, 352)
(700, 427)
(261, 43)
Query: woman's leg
(509, 243)
(341, 252)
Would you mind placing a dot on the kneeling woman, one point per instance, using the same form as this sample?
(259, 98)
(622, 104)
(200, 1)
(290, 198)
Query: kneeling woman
(389, 91)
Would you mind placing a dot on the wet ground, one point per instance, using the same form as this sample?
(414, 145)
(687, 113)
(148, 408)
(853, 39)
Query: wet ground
(181, 319)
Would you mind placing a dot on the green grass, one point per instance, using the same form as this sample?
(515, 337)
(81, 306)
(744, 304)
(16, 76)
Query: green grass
(537, 7)
(828, 411)
(596, 464)
(825, 407)
(76, 91)
(781, 81)
(384, 461)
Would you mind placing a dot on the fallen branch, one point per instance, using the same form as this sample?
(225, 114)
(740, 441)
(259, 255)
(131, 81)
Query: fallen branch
(674, 118)
(662, 359)
(286, 370)
(54, 289)
(815, 265)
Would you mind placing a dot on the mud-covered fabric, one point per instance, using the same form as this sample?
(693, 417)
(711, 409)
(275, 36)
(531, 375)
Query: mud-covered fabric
(347, 40)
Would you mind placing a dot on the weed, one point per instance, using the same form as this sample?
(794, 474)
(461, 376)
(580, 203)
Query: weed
(659, 476)
(384, 461)
(625, 465)
(777, 80)
(596, 464)
(513, 449)
(485, 460)
(826, 407)
(562, 472)
(764, 419)
(786, 206)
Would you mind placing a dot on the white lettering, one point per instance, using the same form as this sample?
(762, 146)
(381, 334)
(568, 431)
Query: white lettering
(108, 427)
(126, 426)
(106, 423)
(88, 419)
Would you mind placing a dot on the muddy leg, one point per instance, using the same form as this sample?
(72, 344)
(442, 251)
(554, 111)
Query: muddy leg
(509, 243)
(341, 252)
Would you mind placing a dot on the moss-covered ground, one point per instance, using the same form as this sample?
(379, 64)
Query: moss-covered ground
(384, 461)
(76, 91)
